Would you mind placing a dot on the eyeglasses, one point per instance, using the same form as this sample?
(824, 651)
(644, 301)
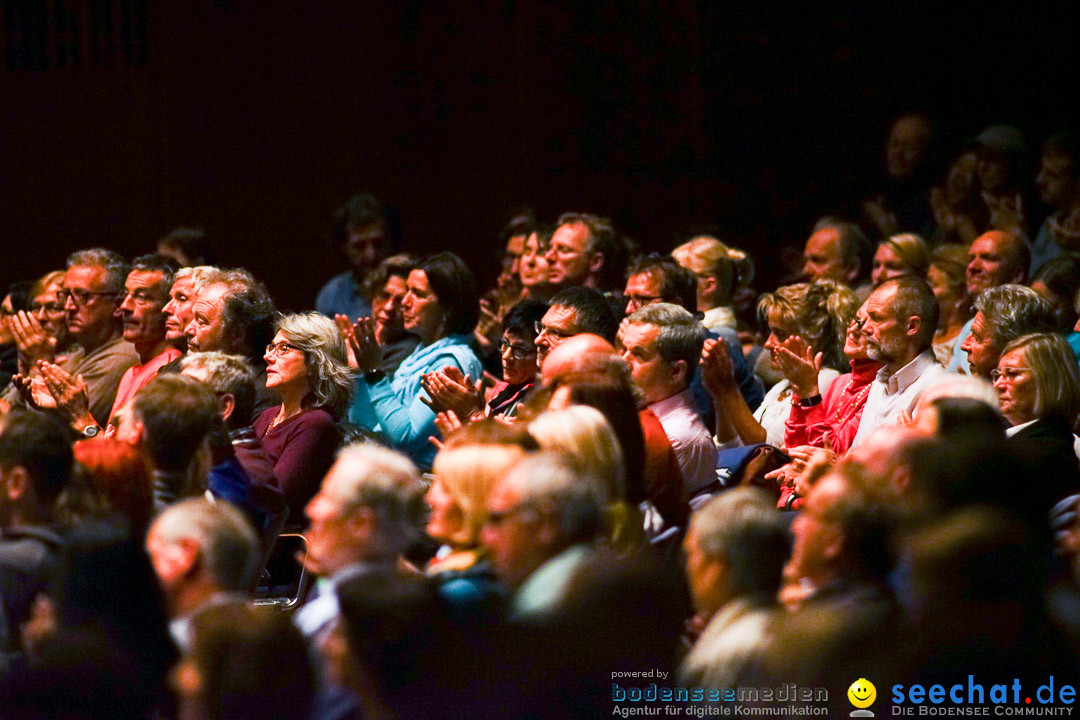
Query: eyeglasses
(858, 322)
(281, 349)
(1008, 374)
(4, 312)
(642, 300)
(518, 352)
(79, 296)
(53, 308)
(551, 332)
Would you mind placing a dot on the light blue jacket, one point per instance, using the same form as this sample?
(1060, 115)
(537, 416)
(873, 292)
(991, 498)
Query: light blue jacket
(395, 406)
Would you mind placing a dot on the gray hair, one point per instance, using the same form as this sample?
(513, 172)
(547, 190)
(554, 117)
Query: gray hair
(387, 483)
(1012, 310)
(550, 483)
(1054, 370)
(200, 276)
(230, 374)
(681, 335)
(742, 529)
(325, 358)
(227, 543)
(116, 267)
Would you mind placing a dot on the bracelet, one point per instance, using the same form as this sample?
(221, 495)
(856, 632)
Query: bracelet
(809, 402)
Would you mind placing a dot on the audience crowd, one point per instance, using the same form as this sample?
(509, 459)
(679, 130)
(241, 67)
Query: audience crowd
(428, 499)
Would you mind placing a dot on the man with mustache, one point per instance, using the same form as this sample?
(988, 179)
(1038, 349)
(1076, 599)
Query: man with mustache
(900, 317)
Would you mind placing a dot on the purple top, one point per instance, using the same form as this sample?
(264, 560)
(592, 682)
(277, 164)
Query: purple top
(302, 450)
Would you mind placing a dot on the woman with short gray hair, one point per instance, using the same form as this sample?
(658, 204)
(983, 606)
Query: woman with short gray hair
(307, 366)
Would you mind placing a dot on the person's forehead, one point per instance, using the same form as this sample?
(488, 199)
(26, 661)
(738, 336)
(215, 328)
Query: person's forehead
(647, 283)
(574, 235)
(640, 335)
(183, 285)
(211, 298)
(1056, 162)
(978, 323)
(372, 232)
(86, 277)
(418, 280)
(823, 242)
(503, 495)
(1013, 359)
(143, 278)
(560, 316)
(395, 284)
(881, 300)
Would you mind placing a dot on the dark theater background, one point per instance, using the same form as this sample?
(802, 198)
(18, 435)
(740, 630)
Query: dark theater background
(120, 119)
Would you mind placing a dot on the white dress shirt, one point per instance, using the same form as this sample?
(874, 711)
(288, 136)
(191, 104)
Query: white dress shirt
(694, 448)
(891, 395)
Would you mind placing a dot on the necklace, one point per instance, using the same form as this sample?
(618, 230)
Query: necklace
(853, 404)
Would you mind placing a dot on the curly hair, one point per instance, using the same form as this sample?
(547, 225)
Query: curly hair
(325, 359)
(820, 312)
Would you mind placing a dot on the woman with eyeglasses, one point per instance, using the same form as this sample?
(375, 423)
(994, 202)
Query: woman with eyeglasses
(440, 307)
(39, 330)
(1038, 385)
(307, 366)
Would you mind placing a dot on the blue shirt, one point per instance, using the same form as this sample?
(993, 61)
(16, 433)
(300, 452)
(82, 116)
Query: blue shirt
(342, 294)
(396, 407)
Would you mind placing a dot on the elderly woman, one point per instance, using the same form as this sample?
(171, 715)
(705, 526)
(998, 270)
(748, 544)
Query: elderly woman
(805, 320)
(306, 366)
(440, 307)
(835, 420)
(899, 256)
(40, 331)
(1038, 385)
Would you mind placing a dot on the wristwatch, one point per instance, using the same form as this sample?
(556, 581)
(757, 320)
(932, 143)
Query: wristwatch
(373, 376)
(91, 431)
(810, 401)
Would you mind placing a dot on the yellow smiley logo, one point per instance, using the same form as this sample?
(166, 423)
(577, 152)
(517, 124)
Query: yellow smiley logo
(862, 693)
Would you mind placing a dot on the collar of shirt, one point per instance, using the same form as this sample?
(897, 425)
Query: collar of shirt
(902, 379)
(1009, 432)
(678, 401)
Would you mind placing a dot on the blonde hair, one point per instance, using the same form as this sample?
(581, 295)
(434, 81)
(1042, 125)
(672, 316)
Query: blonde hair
(705, 255)
(912, 251)
(468, 473)
(1054, 371)
(585, 437)
(820, 313)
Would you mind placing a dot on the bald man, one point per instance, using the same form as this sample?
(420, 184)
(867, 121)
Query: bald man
(578, 354)
(995, 258)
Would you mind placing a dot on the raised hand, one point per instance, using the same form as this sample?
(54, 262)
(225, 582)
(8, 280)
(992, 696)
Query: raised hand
(365, 347)
(33, 342)
(70, 393)
(34, 392)
(446, 422)
(800, 365)
(717, 369)
(450, 390)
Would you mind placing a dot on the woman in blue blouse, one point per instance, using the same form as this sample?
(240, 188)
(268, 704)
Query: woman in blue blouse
(440, 307)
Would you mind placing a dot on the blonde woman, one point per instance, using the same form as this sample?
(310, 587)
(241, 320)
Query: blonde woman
(464, 472)
(899, 256)
(583, 435)
(720, 271)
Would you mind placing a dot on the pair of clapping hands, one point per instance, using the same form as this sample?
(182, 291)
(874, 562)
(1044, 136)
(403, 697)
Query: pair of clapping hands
(797, 360)
(33, 342)
(54, 388)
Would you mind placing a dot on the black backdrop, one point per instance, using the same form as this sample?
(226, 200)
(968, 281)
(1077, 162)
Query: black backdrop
(122, 118)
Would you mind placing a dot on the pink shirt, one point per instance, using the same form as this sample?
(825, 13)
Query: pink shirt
(138, 375)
